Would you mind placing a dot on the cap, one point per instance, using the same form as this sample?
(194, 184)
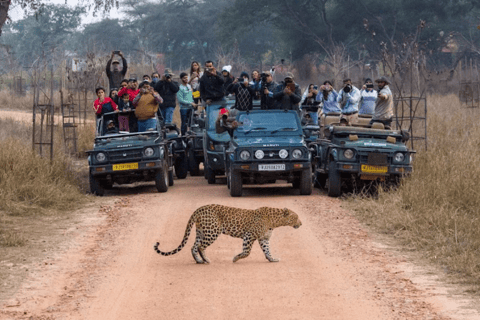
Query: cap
(109, 121)
(169, 72)
(289, 75)
(132, 79)
(223, 111)
(383, 79)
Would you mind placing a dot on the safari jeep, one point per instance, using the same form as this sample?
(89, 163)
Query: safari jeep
(356, 155)
(127, 157)
(214, 143)
(268, 145)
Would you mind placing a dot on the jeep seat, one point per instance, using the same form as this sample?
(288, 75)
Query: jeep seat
(364, 120)
(328, 119)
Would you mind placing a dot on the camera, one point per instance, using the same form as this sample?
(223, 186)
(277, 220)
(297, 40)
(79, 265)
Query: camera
(370, 85)
(347, 88)
(209, 69)
(315, 87)
(224, 117)
(116, 51)
(168, 76)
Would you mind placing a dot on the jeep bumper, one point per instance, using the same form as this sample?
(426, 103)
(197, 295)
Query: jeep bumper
(108, 169)
(349, 167)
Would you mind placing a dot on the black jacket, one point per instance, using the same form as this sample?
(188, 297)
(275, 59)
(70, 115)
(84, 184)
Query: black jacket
(287, 102)
(211, 87)
(168, 92)
(269, 102)
(226, 83)
(116, 77)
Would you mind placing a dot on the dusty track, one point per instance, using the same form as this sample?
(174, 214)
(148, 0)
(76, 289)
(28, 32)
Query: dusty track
(329, 268)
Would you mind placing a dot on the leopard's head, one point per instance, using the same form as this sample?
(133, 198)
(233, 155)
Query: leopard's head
(290, 218)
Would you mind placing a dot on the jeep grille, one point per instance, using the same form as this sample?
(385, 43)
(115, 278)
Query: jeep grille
(377, 159)
(123, 155)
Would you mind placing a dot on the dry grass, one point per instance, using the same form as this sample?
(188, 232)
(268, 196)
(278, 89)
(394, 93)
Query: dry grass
(85, 138)
(437, 209)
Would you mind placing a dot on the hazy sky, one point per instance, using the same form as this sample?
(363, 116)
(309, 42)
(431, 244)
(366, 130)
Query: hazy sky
(16, 13)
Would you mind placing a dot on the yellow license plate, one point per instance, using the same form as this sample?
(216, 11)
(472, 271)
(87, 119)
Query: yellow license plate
(125, 166)
(374, 169)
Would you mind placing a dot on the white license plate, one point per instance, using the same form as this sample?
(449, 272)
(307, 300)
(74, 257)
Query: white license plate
(271, 167)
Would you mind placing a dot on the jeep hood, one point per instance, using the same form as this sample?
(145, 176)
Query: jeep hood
(372, 144)
(280, 141)
(127, 142)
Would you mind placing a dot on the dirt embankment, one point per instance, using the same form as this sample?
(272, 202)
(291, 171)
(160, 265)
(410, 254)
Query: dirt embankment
(330, 268)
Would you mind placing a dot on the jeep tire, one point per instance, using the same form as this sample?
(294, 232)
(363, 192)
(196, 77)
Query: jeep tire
(170, 177)
(193, 164)
(306, 182)
(236, 185)
(209, 174)
(334, 181)
(181, 167)
(95, 186)
(161, 179)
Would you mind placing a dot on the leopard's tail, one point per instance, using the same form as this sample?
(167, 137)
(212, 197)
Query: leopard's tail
(190, 224)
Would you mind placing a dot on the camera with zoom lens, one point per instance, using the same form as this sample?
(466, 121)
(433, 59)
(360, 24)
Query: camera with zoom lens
(370, 85)
(347, 88)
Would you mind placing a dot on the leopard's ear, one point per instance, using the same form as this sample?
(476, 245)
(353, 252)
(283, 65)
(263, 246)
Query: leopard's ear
(286, 212)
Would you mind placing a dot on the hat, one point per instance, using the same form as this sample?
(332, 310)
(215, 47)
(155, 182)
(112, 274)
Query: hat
(244, 75)
(383, 79)
(223, 111)
(227, 68)
(109, 121)
(132, 80)
(289, 75)
(169, 72)
(115, 61)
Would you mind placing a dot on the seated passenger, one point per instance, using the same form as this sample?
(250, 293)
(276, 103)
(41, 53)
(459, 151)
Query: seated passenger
(224, 123)
(111, 129)
(146, 107)
(244, 93)
(104, 105)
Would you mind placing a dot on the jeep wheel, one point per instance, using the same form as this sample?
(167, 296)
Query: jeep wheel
(193, 165)
(306, 183)
(320, 180)
(181, 167)
(161, 179)
(170, 177)
(334, 181)
(95, 186)
(235, 183)
(210, 175)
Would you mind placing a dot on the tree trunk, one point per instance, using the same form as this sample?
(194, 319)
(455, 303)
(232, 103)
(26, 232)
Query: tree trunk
(4, 6)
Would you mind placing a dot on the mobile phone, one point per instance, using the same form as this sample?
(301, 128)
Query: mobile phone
(315, 87)
(291, 86)
(116, 51)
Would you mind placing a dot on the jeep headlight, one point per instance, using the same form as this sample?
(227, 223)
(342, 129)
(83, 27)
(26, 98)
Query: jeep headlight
(244, 155)
(148, 152)
(101, 157)
(283, 154)
(348, 154)
(297, 154)
(259, 154)
(398, 157)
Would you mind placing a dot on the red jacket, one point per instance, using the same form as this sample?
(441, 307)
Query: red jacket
(98, 106)
(131, 93)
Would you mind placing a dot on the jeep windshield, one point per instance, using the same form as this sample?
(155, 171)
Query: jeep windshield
(267, 123)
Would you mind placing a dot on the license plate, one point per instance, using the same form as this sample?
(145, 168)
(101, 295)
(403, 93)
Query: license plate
(125, 166)
(374, 169)
(271, 167)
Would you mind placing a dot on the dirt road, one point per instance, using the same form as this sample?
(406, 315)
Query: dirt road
(329, 268)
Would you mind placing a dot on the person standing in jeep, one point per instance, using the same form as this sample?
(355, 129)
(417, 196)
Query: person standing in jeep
(267, 101)
(116, 75)
(384, 104)
(287, 94)
(167, 88)
(244, 93)
(211, 84)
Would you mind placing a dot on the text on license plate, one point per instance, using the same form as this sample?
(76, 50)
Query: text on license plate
(125, 166)
(374, 169)
(271, 167)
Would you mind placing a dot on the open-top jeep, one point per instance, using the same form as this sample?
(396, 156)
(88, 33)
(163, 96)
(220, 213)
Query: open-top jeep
(178, 150)
(268, 145)
(356, 155)
(127, 157)
(214, 143)
(194, 138)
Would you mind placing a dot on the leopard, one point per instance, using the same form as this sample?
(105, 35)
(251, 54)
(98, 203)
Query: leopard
(250, 225)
